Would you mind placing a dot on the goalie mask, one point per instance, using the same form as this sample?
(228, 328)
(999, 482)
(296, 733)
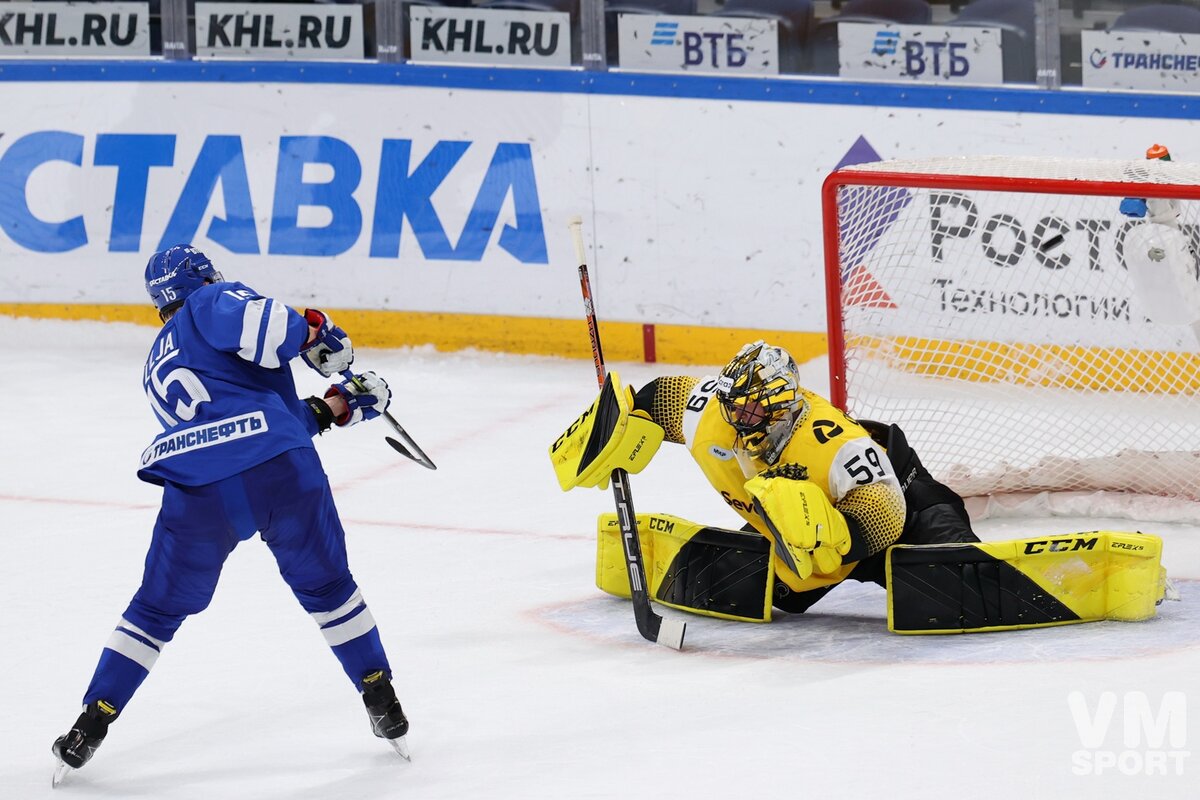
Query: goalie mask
(759, 393)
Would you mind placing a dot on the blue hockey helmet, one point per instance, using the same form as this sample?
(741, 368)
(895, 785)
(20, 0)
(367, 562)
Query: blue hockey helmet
(174, 273)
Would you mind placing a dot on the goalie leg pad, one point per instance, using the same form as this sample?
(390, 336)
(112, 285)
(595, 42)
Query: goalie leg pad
(1024, 583)
(710, 571)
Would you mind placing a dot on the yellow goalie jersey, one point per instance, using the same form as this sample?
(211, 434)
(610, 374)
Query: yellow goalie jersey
(838, 455)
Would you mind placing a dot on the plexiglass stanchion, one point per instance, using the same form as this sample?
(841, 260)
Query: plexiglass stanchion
(389, 30)
(1047, 45)
(174, 14)
(591, 29)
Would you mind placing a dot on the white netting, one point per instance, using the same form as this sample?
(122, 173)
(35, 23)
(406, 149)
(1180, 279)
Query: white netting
(1005, 332)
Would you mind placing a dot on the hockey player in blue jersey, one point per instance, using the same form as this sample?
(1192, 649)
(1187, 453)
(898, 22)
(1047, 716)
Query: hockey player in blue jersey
(236, 457)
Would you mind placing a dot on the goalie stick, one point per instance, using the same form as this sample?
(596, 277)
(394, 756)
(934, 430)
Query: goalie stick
(667, 632)
(406, 446)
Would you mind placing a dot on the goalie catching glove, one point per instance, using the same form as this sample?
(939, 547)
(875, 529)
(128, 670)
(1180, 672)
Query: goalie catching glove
(810, 534)
(609, 435)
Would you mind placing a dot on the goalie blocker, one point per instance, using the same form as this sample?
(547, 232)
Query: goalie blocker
(941, 588)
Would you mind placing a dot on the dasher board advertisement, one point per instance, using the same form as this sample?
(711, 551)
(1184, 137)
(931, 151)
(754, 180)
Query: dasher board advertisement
(81, 30)
(698, 44)
(279, 31)
(1141, 60)
(489, 36)
(926, 53)
(700, 211)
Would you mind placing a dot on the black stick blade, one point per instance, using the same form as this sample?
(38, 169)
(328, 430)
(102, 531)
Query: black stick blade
(402, 450)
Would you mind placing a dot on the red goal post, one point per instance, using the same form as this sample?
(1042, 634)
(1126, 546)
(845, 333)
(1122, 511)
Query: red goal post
(1027, 335)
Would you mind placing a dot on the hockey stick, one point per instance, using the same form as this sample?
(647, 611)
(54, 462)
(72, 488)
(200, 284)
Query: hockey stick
(667, 632)
(409, 448)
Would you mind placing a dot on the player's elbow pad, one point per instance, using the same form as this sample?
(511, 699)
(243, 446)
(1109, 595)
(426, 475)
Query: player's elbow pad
(608, 435)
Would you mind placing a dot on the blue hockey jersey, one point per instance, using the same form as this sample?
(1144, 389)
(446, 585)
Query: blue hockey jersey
(218, 379)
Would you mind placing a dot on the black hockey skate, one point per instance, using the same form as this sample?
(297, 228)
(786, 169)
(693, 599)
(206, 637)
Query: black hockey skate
(77, 746)
(386, 715)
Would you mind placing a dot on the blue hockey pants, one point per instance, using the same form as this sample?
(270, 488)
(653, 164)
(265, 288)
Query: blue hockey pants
(288, 501)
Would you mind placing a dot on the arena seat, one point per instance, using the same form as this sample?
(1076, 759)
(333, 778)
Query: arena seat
(1016, 20)
(567, 6)
(795, 19)
(445, 3)
(907, 12)
(879, 12)
(1159, 17)
(677, 8)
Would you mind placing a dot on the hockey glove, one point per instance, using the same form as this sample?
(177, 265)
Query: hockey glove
(364, 403)
(330, 351)
(810, 534)
(609, 435)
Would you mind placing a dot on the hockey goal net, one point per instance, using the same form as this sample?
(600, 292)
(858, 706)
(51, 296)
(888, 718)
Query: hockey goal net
(994, 308)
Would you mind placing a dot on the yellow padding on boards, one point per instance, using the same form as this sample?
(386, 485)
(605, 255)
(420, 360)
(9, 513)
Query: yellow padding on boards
(1099, 575)
(623, 341)
(661, 536)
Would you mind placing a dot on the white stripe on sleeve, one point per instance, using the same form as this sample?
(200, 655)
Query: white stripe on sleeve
(252, 318)
(277, 320)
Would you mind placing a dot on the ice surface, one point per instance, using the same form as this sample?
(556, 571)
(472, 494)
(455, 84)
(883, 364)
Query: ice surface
(520, 678)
